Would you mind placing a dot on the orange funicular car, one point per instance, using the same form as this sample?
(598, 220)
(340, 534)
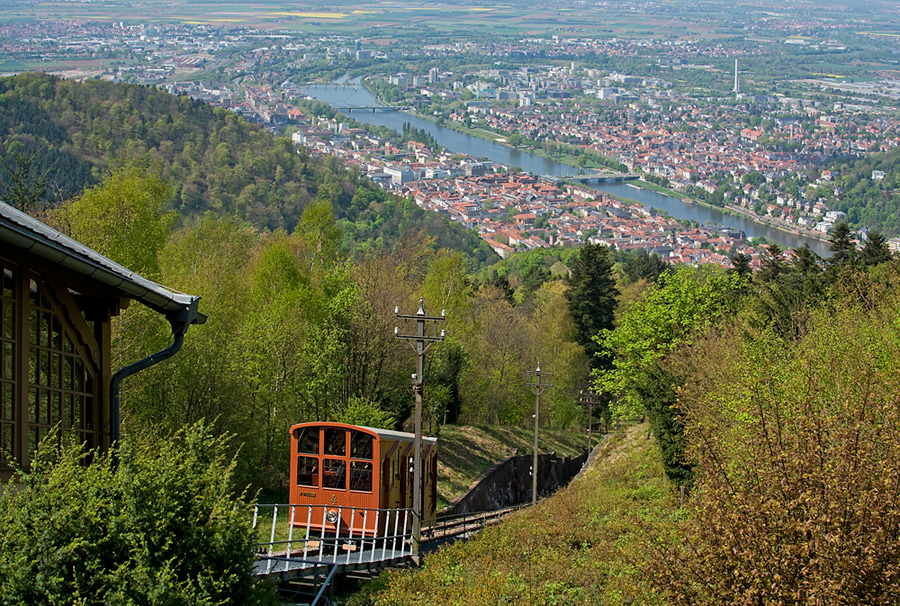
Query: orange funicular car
(349, 473)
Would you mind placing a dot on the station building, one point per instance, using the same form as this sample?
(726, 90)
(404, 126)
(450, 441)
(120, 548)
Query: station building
(57, 301)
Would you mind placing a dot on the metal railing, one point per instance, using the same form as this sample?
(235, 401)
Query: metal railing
(321, 590)
(305, 536)
(455, 525)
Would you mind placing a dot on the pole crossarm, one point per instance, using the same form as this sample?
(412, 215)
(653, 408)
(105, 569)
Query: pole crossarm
(417, 317)
(588, 399)
(420, 342)
(536, 386)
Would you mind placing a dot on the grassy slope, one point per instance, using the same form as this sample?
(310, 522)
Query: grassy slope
(465, 453)
(582, 546)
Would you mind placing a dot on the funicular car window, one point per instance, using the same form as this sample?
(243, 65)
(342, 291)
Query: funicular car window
(335, 442)
(361, 476)
(308, 471)
(360, 445)
(308, 441)
(334, 474)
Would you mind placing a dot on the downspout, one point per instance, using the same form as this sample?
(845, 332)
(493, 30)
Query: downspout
(180, 321)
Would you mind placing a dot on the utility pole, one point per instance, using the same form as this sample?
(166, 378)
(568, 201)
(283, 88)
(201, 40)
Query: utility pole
(589, 400)
(537, 388)
(421, 343)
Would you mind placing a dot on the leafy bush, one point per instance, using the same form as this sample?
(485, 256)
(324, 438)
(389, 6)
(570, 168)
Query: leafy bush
(163, 528)
(796, 448)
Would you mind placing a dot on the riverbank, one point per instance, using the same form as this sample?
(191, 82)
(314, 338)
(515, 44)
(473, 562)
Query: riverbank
(796, 231)
(496, 148)
(487, 135)
(665, 191)
(735, 211)
(570, 160)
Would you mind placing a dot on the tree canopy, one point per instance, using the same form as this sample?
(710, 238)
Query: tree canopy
(592, 298)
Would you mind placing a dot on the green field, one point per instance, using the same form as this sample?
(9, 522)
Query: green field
(354, 17)
(13, 67)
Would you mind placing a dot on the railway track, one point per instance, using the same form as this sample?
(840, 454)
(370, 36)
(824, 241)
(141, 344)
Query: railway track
(467, 523)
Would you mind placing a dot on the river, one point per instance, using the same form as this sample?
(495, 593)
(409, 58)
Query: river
(354, 94)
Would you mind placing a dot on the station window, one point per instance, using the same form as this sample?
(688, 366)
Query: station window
(61, 385)
(7, 366)
(49, 366)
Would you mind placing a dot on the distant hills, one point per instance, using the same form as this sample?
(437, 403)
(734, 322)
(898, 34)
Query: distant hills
(215, 160)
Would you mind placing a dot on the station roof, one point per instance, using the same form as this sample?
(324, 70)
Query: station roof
(27, 233)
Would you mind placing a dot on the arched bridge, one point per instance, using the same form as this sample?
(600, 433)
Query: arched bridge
(371, 108)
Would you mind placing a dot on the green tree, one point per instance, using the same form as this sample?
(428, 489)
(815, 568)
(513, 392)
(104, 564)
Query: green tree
(741, 265)
(492, 390)
(210, 257)
(875, 250)
(365, 412)
(125, 218)
(685, 302)
(592, 298)
(639, 265)
(554, 345)
(773, 264)
(22, 185)
(319, 228)
(843, 250)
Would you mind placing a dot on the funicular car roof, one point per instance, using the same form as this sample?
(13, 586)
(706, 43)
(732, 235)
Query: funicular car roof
(383, 434)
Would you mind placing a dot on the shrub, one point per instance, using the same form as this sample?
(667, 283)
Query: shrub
(163, 528)
(796, 444)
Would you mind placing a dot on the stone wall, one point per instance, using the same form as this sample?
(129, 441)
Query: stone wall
(509, 482)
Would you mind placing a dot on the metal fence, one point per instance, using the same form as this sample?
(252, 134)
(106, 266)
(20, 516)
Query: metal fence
(456, 524)
(301, 537)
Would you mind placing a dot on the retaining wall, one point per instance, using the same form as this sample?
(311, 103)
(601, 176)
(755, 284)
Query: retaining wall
(509, 482)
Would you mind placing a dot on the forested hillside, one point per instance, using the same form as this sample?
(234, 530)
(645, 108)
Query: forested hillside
(771, 395)
(215, 161)
(870, 199)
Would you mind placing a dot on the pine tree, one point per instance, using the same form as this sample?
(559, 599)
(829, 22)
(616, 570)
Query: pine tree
(592, 298)
(22, 186)
(842, 246)
(741, 265)
(875, 250)
(806, 261)
(773, 264)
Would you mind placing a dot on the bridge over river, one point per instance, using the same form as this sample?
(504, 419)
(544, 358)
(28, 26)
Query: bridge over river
(343, 95)
(371, 108)
(600, 177)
